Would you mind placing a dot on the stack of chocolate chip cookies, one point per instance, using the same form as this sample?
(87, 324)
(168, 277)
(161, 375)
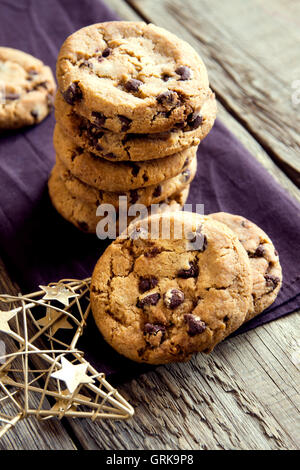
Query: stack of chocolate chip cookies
(133, 105)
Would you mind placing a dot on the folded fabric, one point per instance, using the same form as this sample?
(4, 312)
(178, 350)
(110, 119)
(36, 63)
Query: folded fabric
(38, 246)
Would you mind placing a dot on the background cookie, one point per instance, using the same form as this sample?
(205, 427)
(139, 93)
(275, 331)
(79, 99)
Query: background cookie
(161, 300)
(135, 71)
(127, 146)
(264, 260)
(118, 176)
(29, 87)
(147, 196)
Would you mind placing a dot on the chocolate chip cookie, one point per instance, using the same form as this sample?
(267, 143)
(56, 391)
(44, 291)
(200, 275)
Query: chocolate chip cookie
(118, 176)
(27, 89)
(147, 196)
(133, 75)
(83, 214)
(131, 146)
(264, 260)
(158, 298)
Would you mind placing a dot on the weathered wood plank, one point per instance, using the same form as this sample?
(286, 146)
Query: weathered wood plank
(30, 434)
(246, 54)
(126, 12)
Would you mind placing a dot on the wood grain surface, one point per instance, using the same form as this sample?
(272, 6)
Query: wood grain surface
(245, 395)
(252, 64)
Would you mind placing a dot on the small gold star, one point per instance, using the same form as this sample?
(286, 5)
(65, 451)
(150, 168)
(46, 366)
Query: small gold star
(59, 293)
(4, 319)
(51, 315)
(72, 375)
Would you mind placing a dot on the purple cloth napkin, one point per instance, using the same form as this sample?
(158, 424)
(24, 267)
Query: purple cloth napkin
(38, 246)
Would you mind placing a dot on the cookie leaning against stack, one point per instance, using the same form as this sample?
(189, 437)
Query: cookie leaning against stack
(264, 261)
(160, 298)
(133, 104)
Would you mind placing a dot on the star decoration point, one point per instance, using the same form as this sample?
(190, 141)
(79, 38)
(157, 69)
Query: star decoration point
(5, 317)
(72, 375)
(58, 292)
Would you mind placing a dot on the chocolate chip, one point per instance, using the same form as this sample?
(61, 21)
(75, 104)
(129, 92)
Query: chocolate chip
(173, 298)
(157, 191)
(184, 72)
(107, 51)
(134, 196)
(150, 299)
(94, 134)
(152, 253)
(134, 169)
(272, 281)
(194, 121)
(72, 94)
(99, 147)
(99, 118)
(133, 85)
(187, 273)
(126, 122)
(168, 97)
(260, 251)
(12, 96)
(166, 77)
(275, 252)
(195, 325)
(153, 329)
(185, 175)
(147, 283)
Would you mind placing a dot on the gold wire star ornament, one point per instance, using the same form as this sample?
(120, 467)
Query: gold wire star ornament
(38, 359)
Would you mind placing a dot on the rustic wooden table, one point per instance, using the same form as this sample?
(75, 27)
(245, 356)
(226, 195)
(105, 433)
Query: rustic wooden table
(245, 394)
